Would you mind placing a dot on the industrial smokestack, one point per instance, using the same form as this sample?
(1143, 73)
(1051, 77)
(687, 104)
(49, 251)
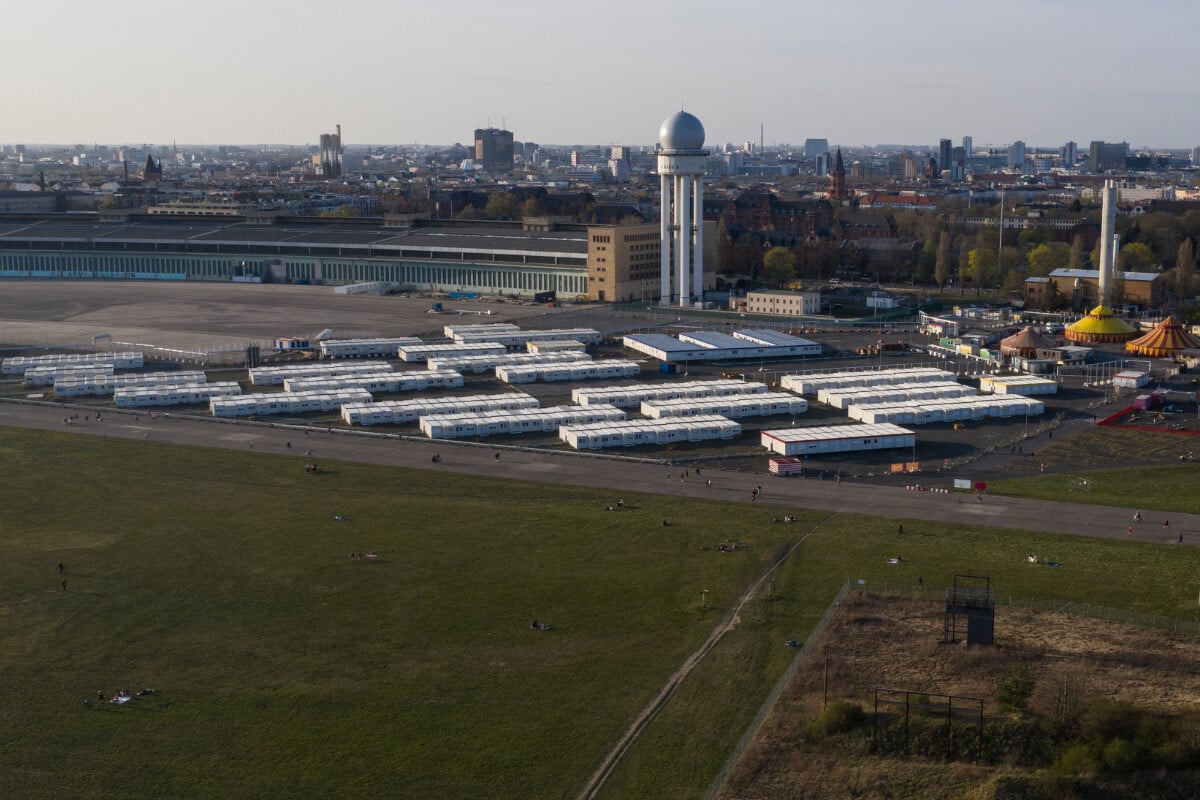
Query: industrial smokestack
(1108, 224)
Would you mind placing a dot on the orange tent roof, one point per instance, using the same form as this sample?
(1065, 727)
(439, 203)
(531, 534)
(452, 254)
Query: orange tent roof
(1167, 338)
(1025, 342)
(1100, 325)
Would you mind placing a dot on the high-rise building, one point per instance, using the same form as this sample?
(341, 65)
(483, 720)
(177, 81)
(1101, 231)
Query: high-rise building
(494, 150)
(1107, 156)
(815, 147)
(1016, 153)
(331, 154)
(945, 153)
(1069, 153)
(822, 164)
(968, 150)
(1196, 155)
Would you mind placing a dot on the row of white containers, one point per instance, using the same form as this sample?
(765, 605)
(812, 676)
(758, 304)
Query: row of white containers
(845, 397)
(174, 395)
(836, 439)
(389, 381)
(568, 371)
(360, 348)
(634, 396)
(276, 375)
(752, 405)
(520, 338)
(947, 410)
(47, 375)
(101, 385)
(285, 403)
(635, 432)
(424, 352)
(1017, 384)
(481, 364)
(812, 384)
(531, 420)
(400, 412)
(17, 365)
(453, 331)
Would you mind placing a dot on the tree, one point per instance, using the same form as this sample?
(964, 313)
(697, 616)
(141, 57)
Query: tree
(1076, 261)
(779, 266)
(981, 266)
(941, 267)
(1047, 257)
(747, 255)
(502, 205)
(1136, 257)
(1185, 269)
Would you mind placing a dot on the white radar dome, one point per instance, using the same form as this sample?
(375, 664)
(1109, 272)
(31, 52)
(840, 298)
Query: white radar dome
(681, 131)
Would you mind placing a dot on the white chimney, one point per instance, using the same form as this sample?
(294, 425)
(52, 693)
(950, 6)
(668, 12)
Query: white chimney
(1108, 224)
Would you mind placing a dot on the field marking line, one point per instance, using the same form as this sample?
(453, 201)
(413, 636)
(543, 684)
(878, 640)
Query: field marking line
(656, 704)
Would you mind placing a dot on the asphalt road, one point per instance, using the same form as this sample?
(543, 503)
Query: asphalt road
(619, 476)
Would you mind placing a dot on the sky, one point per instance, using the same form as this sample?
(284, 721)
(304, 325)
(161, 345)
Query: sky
(554, 72)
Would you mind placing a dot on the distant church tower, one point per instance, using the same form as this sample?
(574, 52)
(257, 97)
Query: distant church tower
(152, 172)
(837, 179)
(681, 165)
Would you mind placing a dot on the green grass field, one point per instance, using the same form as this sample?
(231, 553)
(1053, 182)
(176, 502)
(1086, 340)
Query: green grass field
(284, 668)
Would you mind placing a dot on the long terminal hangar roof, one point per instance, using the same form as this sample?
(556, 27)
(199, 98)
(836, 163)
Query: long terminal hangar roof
(296, 237)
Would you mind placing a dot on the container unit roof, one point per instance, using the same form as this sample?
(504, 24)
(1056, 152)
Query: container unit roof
(519, 337)
(340, 348)
(847, 396)
(18, 364)
(750, 405)
(947, 409)
(421, 352)
(285, 402)
(451, 331)
(379, 382)
(710, 346)
(276, 375)
(502, 422)
(813, 383)
(405, 411)
(568, 371)
(633, 395)
(174, 395)
(486, 362)
(632, 433)
(836, 438)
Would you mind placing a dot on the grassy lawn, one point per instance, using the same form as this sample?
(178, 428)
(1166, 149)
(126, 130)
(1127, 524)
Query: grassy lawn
(283, 668)
(1166, 488)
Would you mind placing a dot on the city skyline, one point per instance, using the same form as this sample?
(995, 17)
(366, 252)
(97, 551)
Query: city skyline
(134, 72)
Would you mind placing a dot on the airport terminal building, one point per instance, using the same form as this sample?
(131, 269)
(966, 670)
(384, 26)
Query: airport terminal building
(597, 262)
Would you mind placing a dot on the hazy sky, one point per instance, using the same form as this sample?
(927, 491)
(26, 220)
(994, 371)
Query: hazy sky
(566, 72)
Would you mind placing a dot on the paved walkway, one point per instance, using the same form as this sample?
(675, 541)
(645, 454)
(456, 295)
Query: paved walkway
(616, 475)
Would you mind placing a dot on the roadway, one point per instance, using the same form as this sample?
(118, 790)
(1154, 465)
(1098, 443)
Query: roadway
(617, 475)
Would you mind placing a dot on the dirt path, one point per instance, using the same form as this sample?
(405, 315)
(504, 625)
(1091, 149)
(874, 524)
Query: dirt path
(647, 714)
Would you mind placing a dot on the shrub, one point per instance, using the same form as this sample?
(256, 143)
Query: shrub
(1078, 760)
(839, 717)
(1120, 755)
(1014, 688)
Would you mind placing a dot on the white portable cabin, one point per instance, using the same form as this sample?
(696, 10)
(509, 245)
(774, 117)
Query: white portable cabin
(520, 338)
(453, 331)
(632, 433)
(424, 352)
(400, 412)
(949, 409)
(481, 364)
(46, 375)
(285, 403)
(824, 439)
(173, 394)
(1026, 385)
(17, 365)
(547, 346)
(1130, 379)
(276, 375)
(181, 378)
(634, 396)
(845, 397)
(765, 404)
(95, 386)
(569, 371)
(529, 420)
(811, 384)
(415, 381)
(365, 348)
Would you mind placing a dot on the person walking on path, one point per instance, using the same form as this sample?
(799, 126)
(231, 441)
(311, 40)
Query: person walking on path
(61, 568)
(64, 585)
(1130, 531)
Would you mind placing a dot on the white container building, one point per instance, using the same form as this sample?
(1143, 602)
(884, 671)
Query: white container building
(811, 384)
(520, 338)
(765, 404)
(843, 398)
(715, 346)
(47, 375)
(825, 439)
(365, 348)
(481, 364)
(569, 371)
(530, 420)
(18, 364)
(416, 381)
(276, 375)
(454, 331)
(400, 412)
(285, 403)
(634, 396)
(635, 432)
(547, 346)
(174, 394)
(424, 352)
(1027, 385)
(951, 409)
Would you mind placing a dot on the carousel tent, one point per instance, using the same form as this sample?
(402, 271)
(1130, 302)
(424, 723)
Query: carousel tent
(1166, 339)
(1100, 325)
(1026, 342)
